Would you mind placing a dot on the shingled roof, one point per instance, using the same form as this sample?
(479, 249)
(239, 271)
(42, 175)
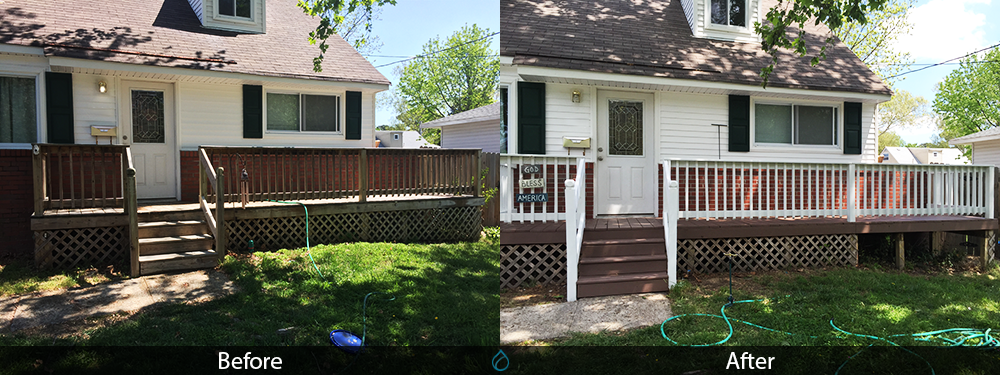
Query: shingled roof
(484, 113)
(168, 33)
(652, 38)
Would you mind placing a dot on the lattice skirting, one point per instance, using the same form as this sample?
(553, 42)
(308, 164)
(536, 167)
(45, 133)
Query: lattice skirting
(766, 253)
(450, 224)
(68, 248)
(538, 263)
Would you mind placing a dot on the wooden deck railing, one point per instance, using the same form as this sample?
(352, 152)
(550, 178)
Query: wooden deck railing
(131, 206)
(78, 176)
(209, 176)
(325, 173)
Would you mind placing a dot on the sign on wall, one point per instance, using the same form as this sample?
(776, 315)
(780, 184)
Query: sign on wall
(531, 168)
(533, 183)
(532, 198)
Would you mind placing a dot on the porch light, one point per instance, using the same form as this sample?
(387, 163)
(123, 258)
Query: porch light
(576, 96)
(102, 87)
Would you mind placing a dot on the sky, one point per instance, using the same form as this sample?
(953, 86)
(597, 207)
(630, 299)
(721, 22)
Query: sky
(943, 29)
(407, 26)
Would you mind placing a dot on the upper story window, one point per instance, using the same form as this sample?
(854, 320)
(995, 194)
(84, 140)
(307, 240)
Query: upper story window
(729, 12)
(18, 115)
(235, 8)
(302, 112)
(795, 124)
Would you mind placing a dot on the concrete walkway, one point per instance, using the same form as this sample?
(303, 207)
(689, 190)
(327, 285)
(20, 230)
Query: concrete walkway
(610, 313)
(59, 306)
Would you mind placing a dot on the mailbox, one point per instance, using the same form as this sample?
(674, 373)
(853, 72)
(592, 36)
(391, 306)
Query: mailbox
(576, 142)
(109, 131)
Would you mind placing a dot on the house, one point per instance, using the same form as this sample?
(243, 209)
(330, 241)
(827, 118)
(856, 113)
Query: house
(624, 99)
(402, 139)
(475, 128)
(206, 101)
(923, 155)
(985, 146)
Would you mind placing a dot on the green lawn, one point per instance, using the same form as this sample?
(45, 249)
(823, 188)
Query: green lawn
(18, 277)
(446, 294)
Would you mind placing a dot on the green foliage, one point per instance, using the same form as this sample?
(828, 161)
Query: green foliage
(780, 23)
(453, 75)
(968, 100)
(351, 18)
(871, 40)
(19, 277)
(904, 109)
(889, 139)
(492, 235)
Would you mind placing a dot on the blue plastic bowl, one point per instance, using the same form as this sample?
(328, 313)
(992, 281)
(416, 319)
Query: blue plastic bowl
(345, 340)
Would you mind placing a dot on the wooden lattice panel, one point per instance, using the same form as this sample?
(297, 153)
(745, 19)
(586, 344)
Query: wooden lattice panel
(69, 248)
(765, 253)
(539, 263)
(450, 224)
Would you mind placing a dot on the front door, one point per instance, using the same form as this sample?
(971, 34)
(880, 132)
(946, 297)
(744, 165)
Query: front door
(148, 126)
(626, 165)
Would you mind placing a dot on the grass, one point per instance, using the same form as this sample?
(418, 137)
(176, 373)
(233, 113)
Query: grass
(446, 295)
(19, 277)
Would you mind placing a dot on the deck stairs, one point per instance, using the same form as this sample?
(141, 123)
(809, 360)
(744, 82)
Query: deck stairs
(622, 261)
(174, 241)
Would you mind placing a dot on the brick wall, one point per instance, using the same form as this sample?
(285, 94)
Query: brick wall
(189, 176)
(16, 197)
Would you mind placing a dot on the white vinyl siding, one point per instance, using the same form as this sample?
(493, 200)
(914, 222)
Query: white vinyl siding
(563, 118)
(90, 107)
(986, 153)
(484, 135)
(198, 8)
(698, 13)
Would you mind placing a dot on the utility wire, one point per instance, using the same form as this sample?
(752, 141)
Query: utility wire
(944, 62)
(438, 51)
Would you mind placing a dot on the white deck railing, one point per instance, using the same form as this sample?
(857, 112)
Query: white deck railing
(576, 221)
(727, 189)
(553, 171)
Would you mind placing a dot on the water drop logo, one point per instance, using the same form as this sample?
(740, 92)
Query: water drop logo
(500, 357)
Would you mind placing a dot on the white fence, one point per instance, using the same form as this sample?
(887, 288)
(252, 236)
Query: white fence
(724, 189)
(576, 221)
(519, 170)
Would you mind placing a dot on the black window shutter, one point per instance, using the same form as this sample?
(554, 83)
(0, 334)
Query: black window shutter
(253, 111)
(739, 123)
(353, 129)
(852, 128)
(59, 107)
(530, 118)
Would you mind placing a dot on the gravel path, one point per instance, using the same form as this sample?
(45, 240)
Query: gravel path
(610, 313)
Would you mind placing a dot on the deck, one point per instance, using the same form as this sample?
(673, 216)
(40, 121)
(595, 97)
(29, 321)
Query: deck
(555, 232)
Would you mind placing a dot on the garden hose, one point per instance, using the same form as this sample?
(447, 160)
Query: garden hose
(307, 234)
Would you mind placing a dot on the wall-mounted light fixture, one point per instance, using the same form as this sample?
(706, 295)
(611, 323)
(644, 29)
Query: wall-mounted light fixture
(576, 96)
(102, 87)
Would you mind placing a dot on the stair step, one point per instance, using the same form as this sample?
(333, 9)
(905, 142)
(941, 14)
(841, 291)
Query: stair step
(622, 233)
(152, 216)
(190, 260)
(622, 247)
(172, 228)
(593, 286)
(622, 265)
(175, 244)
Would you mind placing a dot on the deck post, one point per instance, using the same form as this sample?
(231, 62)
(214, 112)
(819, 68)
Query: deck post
(38, 172)
(937, 243)
(220, 221)
(572, 252)
(363, 174)
(479, 174)
(900, 253)
(987, 235)
(670, 227)
(131, 207)
(852, 193)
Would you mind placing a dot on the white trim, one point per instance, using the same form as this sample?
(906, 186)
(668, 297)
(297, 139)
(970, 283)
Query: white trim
(234, 18)
(26, 50)
(506, 60)
(723, 88)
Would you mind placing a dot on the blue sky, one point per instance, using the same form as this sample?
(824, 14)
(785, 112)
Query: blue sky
(944, 29)
(407, 26)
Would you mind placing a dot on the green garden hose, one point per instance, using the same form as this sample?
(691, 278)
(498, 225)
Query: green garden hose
(307, 234)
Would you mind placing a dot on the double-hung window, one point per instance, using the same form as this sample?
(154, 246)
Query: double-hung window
(795, 124)
(303, 112)
(729, 12)
(235, 8)
(18, 112)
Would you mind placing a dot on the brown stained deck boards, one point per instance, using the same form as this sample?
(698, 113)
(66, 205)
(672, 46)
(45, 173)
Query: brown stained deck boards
(554, 232)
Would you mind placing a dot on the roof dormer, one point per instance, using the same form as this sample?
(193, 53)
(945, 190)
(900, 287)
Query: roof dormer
(723, 19)
(244, 16)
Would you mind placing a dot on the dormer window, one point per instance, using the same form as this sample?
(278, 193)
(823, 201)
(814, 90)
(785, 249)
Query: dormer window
(235, 8)
(729, 12)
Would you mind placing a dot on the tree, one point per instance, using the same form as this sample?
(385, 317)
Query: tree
(889, 139)
(968, 99)
(356, 31)
(788, 14)
(450, 76)
(872, 41)
(332, 14)
(901, 111)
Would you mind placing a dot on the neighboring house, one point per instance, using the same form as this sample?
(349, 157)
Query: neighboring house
(166, 77)
(610, 103)
(985, 146)
(923, 155)
(475, 128)
(402, 139)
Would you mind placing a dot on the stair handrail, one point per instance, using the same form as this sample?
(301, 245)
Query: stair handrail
(131, 207)
(207, 174)
(670, 212)
(576, 221)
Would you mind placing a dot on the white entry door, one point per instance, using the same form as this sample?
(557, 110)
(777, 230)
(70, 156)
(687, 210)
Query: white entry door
(626, 167)
(148, 126)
